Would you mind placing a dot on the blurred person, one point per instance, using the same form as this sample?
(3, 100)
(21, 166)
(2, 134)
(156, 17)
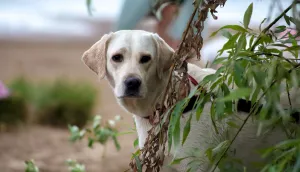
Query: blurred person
(172, 16)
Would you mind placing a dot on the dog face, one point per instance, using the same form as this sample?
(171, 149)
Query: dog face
(133, 61)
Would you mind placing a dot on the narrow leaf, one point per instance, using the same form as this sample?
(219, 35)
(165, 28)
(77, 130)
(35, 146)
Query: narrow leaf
(233, 27)
(138, 164)
(236, 94)
(287, 19)
(177, 161)
(176, 134)
(186, 129)
(247, 15)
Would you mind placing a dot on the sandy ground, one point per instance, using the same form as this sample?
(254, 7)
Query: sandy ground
(49, 147)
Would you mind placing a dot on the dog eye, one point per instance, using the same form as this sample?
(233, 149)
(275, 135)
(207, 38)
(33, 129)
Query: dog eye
(117, 58)
(145, 59)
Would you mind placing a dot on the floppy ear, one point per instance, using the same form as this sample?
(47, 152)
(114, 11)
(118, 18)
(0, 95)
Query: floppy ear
(164, 53)
(95, 57)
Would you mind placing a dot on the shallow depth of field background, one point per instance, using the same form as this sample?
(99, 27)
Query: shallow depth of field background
(43, 41)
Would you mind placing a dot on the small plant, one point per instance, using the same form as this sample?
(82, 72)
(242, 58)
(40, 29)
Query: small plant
(30, 166)
(74, 166)
(13, 107)
(64, 103)
(99, 132)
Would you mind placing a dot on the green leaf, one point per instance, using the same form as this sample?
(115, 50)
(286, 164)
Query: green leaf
(241, 43)
(209, 78)
(138, 164)
(233, 125)
(233, 27)
(236, 94)
(200, 105)
(177, 161)
(116, 142)
(31, 167)
(259, 77)
(186, 129)
(287, 19)
(96, 122)
(170, 133)
(174, 125)
(176, 134)
(219, 60)
(238, 74)
(280, 29)
(262, 23)
(297, 164)
(247, 15)
(219, 106)
(255, 94)
(287, 143)
(228, 105)
(230, 44)
(213, 116)
(209, 154)
(251, 41)
(136, 153)
(226, 34)
(90, 142)
(220, 147)
(136, 142)
(293, 48)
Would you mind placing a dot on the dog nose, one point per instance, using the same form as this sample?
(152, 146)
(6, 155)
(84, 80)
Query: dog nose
(132, 83)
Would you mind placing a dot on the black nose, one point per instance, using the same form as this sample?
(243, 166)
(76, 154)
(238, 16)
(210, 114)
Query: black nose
(132, 83)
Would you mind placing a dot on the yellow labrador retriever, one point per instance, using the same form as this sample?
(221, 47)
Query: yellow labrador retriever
(136, 64)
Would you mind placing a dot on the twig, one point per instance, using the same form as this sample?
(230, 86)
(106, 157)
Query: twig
(288, 93)
(270, 25)
(178, 51)
(270, 54)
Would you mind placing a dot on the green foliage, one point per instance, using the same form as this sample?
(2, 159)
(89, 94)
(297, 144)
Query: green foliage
(99, 132)
(254, 67)
(57, 104)
(13, 109)
(64, 103)
(30, 166)
(21, 88)
(74, 166)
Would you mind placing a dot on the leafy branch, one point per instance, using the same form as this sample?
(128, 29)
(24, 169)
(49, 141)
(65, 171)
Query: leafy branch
(254, 108)
(272, 24)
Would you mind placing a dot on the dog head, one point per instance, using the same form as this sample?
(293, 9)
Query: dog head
(133, 61)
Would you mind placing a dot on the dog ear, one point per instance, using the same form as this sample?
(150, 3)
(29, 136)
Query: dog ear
(95, 57)
(164, 53)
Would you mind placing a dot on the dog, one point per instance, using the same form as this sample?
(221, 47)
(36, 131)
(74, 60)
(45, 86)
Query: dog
(137, 64)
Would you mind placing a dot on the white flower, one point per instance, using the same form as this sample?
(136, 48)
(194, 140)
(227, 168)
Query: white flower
(112, 123)
(118, 117)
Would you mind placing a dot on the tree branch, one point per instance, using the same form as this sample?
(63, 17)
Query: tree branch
(271, 24)
(178, 51)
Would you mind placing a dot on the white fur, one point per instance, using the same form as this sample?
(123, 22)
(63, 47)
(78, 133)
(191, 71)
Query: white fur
(131, 44)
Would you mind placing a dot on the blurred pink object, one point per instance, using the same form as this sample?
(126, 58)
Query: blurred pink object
(291, 31)
(4, 92)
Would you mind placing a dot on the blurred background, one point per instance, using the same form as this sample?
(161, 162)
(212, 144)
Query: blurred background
(45, 86)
